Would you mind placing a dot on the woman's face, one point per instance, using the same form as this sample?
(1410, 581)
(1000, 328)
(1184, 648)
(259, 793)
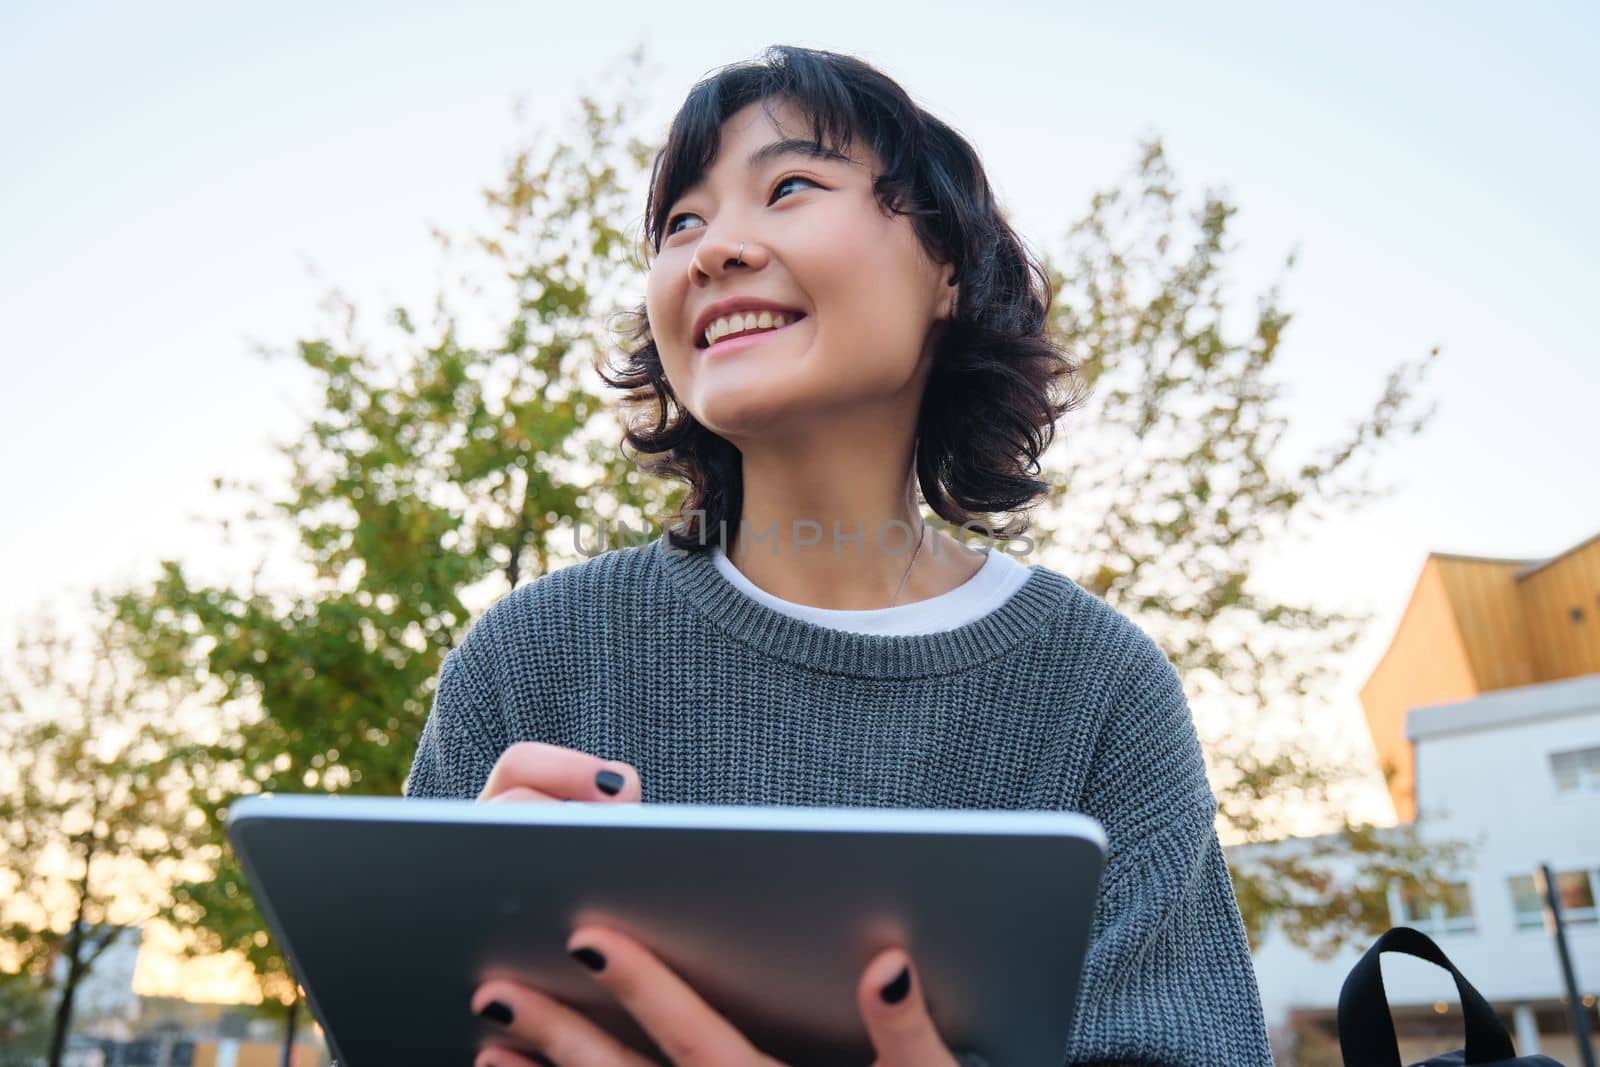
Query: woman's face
(815, 240)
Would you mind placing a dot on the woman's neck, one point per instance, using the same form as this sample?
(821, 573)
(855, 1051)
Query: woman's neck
(864, 567)
(830, 519)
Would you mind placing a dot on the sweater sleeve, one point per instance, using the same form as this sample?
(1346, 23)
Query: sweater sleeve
(1168, 978)
(455, 752)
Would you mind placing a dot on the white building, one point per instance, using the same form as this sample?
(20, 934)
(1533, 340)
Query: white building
(1517, 771)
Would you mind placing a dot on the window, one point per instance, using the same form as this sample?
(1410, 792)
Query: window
(1575, 890)
(1452, 913)
(1577, 770)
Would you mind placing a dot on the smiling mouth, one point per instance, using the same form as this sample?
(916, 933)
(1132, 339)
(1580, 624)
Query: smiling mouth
(743, 340)
(738, 343)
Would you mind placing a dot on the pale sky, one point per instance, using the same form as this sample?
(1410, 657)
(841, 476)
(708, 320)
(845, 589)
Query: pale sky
(170, 169)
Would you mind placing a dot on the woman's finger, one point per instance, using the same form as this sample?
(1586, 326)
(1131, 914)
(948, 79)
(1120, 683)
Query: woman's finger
(500, 1057)
(890, 999)
(525, 1019)
(563, 774)
(688, 1031)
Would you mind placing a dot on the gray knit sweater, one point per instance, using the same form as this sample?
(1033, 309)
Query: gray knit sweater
(649, 655)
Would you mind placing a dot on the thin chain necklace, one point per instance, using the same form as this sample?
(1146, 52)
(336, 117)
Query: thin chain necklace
(920, 538)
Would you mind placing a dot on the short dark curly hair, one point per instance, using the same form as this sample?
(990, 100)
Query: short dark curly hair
(998, 384)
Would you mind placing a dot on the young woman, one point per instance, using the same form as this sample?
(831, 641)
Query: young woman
(838, 315)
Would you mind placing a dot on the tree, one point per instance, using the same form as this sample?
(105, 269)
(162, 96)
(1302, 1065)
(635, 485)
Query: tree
(444, 461)
(1172, 487)
(92, 815)
(432, 466)
(24, 1019)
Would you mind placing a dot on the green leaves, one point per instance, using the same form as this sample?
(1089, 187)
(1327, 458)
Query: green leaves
(89, 802)
(1174, 490)
(433, 465)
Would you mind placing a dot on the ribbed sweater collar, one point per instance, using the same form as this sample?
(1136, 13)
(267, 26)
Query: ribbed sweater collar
(1024, 617)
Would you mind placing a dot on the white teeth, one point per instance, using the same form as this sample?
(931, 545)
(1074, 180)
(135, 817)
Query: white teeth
(743, 321)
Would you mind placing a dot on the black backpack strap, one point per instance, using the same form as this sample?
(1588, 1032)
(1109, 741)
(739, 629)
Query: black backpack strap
(1366, 1031)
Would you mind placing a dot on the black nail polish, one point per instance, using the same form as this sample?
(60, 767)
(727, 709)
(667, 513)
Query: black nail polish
(589, 958)
(609, 782)
(896, 991)
(497, 1012)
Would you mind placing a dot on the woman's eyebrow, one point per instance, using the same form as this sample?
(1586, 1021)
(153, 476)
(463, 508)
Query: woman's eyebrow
(792, 146)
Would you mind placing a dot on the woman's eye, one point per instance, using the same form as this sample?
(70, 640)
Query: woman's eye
(672, 228)
(794, 178)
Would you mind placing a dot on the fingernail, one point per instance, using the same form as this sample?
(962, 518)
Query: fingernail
(609, 782)
(495, 1011)
(589, 958)
(896, 991)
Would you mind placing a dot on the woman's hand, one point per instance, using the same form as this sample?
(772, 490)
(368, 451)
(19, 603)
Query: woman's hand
(682, 1025)
(534, 771)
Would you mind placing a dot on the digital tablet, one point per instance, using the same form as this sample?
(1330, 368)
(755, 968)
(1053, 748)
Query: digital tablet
(394, 910)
